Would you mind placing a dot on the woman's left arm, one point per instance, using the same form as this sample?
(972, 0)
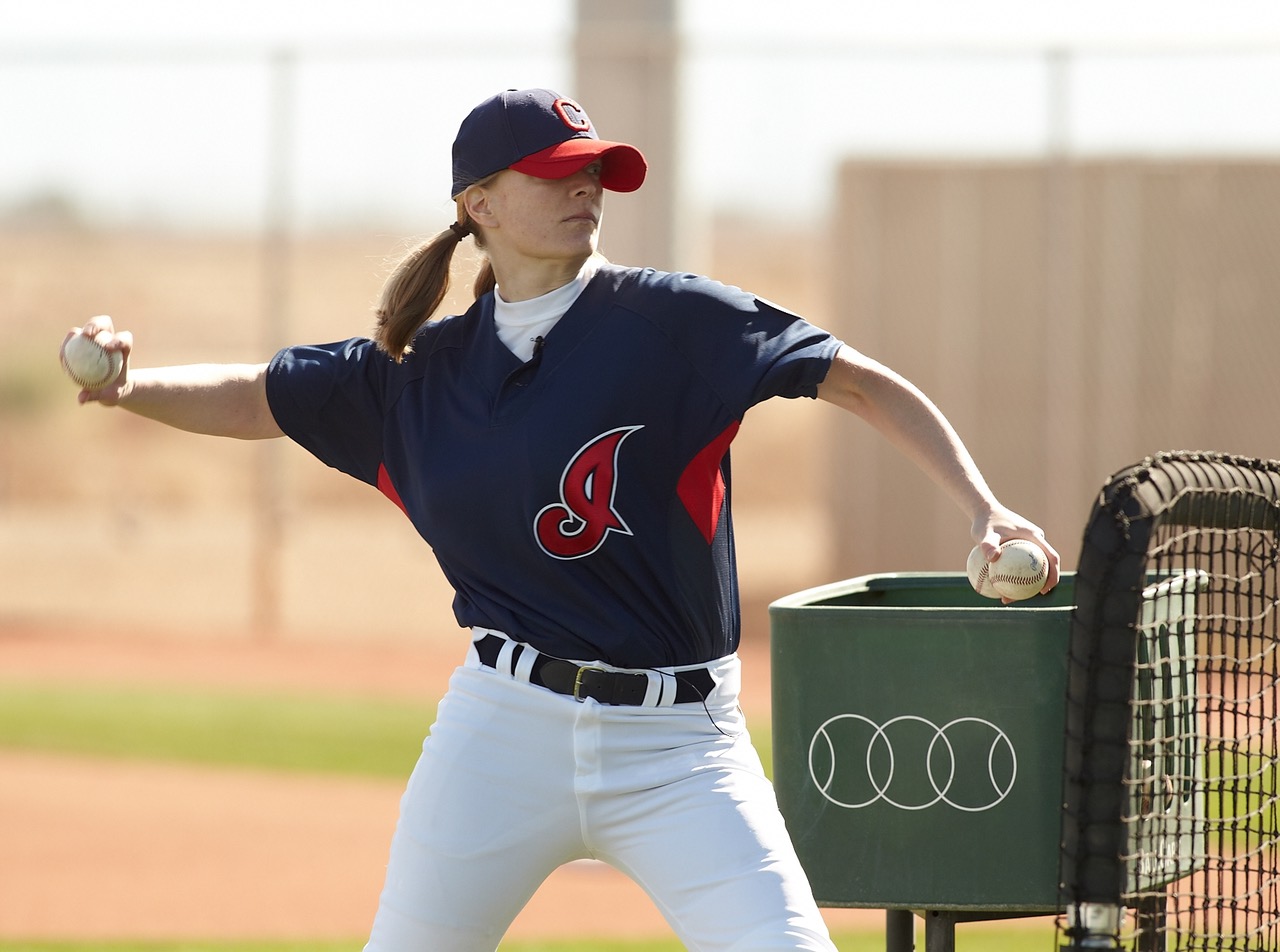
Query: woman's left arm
(918, 429)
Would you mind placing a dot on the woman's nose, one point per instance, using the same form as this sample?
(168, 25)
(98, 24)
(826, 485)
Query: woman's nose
(586, 180)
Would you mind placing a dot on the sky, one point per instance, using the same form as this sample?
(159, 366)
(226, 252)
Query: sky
(161, 110)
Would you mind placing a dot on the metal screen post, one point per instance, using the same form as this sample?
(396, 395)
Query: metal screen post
(940, 931)
(899, 931)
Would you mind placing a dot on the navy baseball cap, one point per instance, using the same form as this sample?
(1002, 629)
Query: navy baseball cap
(540, 133)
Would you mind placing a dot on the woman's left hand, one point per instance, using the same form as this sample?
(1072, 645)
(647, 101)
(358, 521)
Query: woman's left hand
(999, 525)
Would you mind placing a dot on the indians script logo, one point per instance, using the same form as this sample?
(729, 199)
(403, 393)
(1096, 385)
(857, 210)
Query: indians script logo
(577, 525)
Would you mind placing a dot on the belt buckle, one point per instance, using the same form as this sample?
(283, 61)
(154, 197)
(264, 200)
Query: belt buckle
(577, 680)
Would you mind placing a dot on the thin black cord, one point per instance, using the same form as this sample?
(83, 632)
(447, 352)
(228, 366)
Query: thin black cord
(702, 699)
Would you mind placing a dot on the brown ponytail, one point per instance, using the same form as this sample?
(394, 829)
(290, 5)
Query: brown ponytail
(418, 285)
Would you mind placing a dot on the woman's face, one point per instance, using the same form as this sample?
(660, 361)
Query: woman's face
(527, 217)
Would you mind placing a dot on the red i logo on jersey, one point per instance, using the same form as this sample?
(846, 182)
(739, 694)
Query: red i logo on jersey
(577, 525)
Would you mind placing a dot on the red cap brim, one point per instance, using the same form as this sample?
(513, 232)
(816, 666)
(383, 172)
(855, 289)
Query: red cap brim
(623, 171)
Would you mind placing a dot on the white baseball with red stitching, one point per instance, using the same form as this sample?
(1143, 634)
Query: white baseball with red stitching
(90, 364)
(1019, 571)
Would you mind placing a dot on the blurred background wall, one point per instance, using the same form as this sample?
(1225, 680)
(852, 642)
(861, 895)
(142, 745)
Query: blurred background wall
(1070, 316)
(1062, 230)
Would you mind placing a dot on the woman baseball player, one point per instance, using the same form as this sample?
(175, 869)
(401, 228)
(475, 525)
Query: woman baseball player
(563, 446)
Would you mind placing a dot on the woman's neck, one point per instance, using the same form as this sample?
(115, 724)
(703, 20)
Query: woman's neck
(533, 279)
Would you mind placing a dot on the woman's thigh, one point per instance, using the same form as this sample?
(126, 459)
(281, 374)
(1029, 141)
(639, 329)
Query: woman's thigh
(695, 822)
(487, 815)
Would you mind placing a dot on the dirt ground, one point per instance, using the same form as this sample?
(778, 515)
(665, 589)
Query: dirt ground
(99, 849)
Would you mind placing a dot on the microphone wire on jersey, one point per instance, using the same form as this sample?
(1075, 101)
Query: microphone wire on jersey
(521, 376)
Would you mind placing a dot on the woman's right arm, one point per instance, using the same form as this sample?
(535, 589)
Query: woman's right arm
(215, 399)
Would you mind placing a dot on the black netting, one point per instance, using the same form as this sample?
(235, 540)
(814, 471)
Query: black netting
(1170, 824)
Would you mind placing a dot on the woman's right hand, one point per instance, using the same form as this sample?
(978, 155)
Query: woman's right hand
(215, 399)
(102, 329)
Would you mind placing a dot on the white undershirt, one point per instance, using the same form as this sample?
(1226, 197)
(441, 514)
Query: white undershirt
(519, 324)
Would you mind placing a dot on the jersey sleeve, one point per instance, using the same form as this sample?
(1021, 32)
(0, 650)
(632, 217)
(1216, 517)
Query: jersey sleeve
(330, 399)
(748, 348)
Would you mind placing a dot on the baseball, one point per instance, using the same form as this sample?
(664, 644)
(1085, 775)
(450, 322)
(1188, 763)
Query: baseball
(1019, 571)
(90, 364)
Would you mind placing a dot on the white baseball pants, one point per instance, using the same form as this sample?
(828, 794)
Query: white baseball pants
(515, 780)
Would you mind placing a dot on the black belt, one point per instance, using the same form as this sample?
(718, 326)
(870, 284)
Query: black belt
(584, 681)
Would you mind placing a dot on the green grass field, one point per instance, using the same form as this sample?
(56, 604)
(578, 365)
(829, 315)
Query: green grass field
(295, 733)
(223, 728)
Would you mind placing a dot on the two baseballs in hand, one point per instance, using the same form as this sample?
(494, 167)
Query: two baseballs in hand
(1019, 571)
(88, 363)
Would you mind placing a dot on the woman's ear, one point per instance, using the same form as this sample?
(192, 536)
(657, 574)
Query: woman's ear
(478, 205)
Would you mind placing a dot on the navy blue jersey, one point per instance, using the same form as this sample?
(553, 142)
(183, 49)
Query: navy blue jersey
(578, 501)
